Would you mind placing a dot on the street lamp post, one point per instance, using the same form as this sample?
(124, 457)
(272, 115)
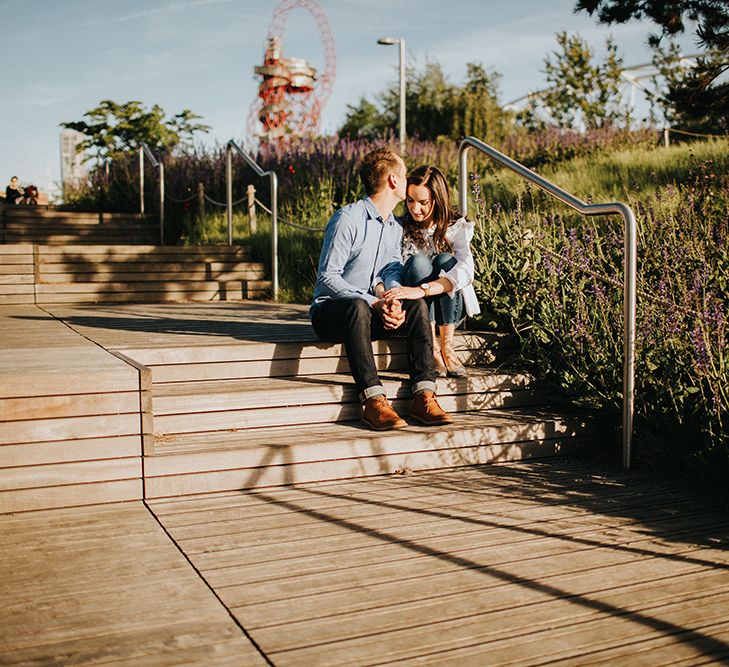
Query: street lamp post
(401, 42)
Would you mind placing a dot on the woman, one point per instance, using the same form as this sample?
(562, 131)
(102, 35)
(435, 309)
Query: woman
(13, 193)
(438, 262)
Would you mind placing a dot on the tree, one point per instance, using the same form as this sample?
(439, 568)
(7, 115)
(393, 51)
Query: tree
(364, 121)
(434, 107)
(697, 98)
(581, 92)
(479, 113)
(112, 129)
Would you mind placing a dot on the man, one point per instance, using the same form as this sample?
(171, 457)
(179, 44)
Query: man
(360, 260)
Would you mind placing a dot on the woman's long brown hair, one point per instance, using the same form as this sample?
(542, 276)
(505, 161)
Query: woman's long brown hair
(443, 213)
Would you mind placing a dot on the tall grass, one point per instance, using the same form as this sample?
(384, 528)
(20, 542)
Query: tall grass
(555, 280)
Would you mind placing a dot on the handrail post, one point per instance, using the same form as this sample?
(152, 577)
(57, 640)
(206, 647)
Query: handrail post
(630, 254)
(274, 234)
(629, 262)
(229, 191)
(230, 146)
(141, 180)
(161, 202)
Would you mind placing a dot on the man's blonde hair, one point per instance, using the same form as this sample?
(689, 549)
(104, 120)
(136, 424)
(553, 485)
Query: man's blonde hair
(376, 167)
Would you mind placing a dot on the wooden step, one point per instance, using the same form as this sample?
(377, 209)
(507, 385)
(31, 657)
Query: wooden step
(37, 213)
(210, 270)
(151, 293)
(108, 251)
(17, 274)
(304, 355)
(236, 404)
(70, 416)
(253, 458)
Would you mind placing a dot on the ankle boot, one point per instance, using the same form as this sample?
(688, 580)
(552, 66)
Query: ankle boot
(379, 415)
(454, 367)
(426, 410)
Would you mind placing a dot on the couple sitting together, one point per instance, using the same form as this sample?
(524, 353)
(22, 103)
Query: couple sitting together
(380, 277)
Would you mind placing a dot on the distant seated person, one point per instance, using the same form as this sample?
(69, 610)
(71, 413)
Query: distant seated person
(31, 195)
(13, 193)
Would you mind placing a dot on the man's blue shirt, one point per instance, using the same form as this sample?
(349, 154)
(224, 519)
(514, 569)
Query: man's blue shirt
(360, 250)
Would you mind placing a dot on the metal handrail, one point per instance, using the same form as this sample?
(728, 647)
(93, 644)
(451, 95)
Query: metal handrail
(629, 261)
(229, 148)
(146, 150)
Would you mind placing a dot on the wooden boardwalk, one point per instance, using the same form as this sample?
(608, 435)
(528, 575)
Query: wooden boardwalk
(569, 561)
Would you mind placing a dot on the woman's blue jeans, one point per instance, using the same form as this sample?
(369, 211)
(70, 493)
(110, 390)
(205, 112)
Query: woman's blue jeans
(420, 269)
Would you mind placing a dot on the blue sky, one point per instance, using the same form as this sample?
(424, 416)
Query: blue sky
(61, 57)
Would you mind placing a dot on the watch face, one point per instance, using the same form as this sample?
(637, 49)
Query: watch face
(425, 286)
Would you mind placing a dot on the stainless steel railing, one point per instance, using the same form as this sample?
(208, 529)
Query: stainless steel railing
(229, 148)
(146, 150)
(629, 261)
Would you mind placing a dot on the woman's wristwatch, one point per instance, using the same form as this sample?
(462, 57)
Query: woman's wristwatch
(426, 289)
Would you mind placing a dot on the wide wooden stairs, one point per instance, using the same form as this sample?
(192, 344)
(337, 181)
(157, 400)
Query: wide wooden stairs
(43, 225)
(123, 402)
(52, 257)
(229, 417)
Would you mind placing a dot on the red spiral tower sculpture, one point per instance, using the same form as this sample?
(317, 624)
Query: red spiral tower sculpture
(291, 94)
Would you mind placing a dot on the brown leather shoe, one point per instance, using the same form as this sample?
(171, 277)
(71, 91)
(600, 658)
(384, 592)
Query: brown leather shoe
(378, 414)
(426, 410)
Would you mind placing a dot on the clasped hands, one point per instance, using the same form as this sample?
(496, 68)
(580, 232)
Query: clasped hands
(390, 312)
(389, 307)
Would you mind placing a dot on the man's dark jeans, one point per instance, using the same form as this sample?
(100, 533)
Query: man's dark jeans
(352, 322)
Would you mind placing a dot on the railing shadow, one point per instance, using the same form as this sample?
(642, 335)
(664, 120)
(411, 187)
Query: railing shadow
(557, 483)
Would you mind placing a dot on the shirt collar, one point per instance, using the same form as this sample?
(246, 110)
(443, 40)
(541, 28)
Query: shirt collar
(373, 213)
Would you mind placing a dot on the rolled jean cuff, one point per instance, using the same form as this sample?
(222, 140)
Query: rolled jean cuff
(370, 392)
(424, 385)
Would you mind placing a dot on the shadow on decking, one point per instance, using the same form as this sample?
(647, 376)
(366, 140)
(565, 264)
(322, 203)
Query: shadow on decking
(652, 507)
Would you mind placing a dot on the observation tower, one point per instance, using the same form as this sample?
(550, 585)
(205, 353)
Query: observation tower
(291, 93)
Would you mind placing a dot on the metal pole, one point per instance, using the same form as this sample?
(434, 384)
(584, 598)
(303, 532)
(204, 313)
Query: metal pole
(629, 260)
(141, 180)
(161, 203)
(402, 96)
(229, 191)
(274, 235)
(253, 222)
(629, 308)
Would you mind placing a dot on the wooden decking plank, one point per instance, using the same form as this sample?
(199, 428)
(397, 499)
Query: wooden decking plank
(460, 443)
(77, 472)
(26, 500)
(671, 649)
(69, 428)
(620, 556)
(342, 570)
(160, 612)
(295, 512)
(68, 405)
(510, 611)
(231, 551)
(534, 645)
(308, 411)
(179, 398)
(354, 438)
(505, 557)
(300, 473)
(265, 368)
(558, 574)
